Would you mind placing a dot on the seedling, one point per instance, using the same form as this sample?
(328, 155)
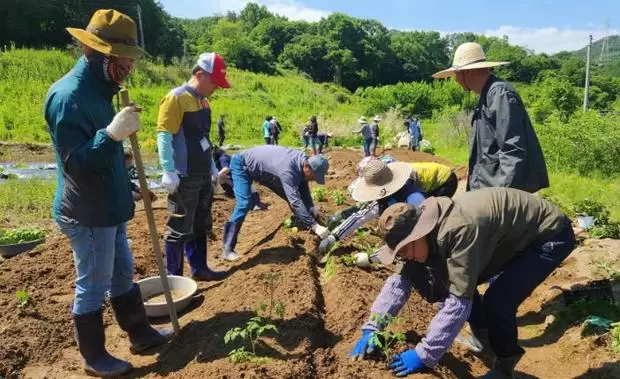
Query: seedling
(23, 298)
(270, 282)
(608, 269)
(348, 260)
(254, 329)
(319, 194)
(384, 339)
(615, 337)
(330, 267)
(339, 197)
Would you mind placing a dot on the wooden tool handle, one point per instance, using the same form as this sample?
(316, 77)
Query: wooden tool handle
(148, 209)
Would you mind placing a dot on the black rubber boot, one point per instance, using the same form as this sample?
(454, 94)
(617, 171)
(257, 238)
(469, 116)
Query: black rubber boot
(90, 338)
(504, 368)
(231, 230)
(131, 316)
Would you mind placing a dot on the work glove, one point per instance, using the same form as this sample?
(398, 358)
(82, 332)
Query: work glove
(170, 180)
(406, 363)
(125, 123)
(320, 230)
(327, 243)
(364, 346)
(315, 213)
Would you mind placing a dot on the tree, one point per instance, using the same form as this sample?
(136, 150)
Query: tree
(252, 15)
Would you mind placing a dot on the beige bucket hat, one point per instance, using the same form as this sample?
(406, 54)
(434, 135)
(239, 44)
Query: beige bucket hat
(380, 180)
(362, 120)
(468, 56)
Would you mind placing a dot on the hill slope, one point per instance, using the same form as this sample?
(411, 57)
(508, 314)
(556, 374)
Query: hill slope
(26, 74)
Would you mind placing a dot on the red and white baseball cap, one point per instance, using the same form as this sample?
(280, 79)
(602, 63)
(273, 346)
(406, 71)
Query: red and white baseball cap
(214, 64)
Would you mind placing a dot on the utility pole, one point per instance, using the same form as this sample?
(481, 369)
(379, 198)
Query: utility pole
(140, 24)
(587, 88)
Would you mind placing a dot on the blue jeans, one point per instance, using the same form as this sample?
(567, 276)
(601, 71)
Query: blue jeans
(103, 263)
(496, 310)
(242, 187)
(367, 143)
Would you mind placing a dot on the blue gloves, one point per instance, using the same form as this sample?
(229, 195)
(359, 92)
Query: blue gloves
(363, 346)
(406, 363)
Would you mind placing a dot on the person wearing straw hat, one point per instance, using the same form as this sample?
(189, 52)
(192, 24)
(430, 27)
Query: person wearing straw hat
(379, 186)
(93, 200)
(449, 247)
(366, 133)
(429, 179)
(504, 150)
(374, 133)
(286, 172)
(189, 172)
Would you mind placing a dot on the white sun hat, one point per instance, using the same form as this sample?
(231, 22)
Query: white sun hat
(377, 118)
(468, 56)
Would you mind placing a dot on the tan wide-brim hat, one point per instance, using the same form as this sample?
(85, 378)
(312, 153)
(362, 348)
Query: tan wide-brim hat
(380, 180)
(110, 32)
(468, 56)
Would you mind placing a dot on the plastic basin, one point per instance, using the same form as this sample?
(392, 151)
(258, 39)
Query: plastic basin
(182, 288)
(585, 222)
(8, 251)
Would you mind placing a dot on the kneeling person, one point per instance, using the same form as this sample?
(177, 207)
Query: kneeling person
(449, 247)
(284, 171)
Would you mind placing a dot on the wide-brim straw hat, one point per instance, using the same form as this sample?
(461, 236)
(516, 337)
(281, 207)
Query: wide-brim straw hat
(381, 180)
(362, 120)
(377, 118)
(110, 32)
(468, 56)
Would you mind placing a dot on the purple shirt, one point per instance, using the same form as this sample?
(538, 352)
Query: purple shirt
(442, 330)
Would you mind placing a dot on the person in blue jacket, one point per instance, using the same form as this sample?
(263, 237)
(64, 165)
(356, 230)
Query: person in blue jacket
(283, 170)
(267, 130)
(93, 200)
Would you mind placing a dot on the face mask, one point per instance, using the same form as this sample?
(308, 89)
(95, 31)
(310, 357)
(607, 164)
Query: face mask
(107, 68)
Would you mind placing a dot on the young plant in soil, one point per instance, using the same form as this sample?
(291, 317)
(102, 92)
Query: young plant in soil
(339, 197)
(615, 337)
(270, 282)
(23, 299)
(319, 194)
(348, 260)
(254, 329)
(384, 339)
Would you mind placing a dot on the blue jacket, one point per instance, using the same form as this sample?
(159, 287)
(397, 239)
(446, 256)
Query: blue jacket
(266, 129)
(281, 170)
(93, 184)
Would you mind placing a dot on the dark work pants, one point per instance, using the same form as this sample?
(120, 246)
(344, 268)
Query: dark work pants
(496, 310)
(190, 209)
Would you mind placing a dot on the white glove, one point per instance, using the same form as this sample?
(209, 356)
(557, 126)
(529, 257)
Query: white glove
(125, 123)
(170, 180)
(320, 231)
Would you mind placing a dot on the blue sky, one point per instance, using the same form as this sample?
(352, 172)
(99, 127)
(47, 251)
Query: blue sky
(542, 25)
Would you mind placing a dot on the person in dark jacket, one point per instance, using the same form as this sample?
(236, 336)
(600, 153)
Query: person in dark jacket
(284, 171)
(221, 131)
(505, 151)
(313, 132)
(449, 247)
(93, 200)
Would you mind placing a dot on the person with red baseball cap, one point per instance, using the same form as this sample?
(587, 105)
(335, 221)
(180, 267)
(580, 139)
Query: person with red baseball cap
(186, 156)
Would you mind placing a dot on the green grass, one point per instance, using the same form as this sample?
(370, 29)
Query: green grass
(26, 202)
(26, 75)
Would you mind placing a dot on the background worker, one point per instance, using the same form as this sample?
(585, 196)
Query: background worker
(267, 130)
(449, 246)
(185, 154)
(313, 132)
(93, 199)
(284, 171)
(275, 129)
(221, 131)
(366, 133)
(504, 150)
(374, 135)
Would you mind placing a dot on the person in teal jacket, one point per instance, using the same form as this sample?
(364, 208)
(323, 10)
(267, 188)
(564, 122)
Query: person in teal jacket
(93, 201)
(267, 130)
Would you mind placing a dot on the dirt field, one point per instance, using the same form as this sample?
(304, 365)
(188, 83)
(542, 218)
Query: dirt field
(321, 321)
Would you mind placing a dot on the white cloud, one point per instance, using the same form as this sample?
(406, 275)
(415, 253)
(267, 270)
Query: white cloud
(291, 9)
(549, 40)
(295, 10)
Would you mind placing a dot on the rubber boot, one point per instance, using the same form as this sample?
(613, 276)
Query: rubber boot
(231, 230)
(174, 258)
(504, 368)
(196, 251)
(131, 316)
(90, 338)
(256, 204)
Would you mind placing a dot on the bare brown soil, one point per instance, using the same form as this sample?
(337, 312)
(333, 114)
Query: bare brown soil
(321, 321)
